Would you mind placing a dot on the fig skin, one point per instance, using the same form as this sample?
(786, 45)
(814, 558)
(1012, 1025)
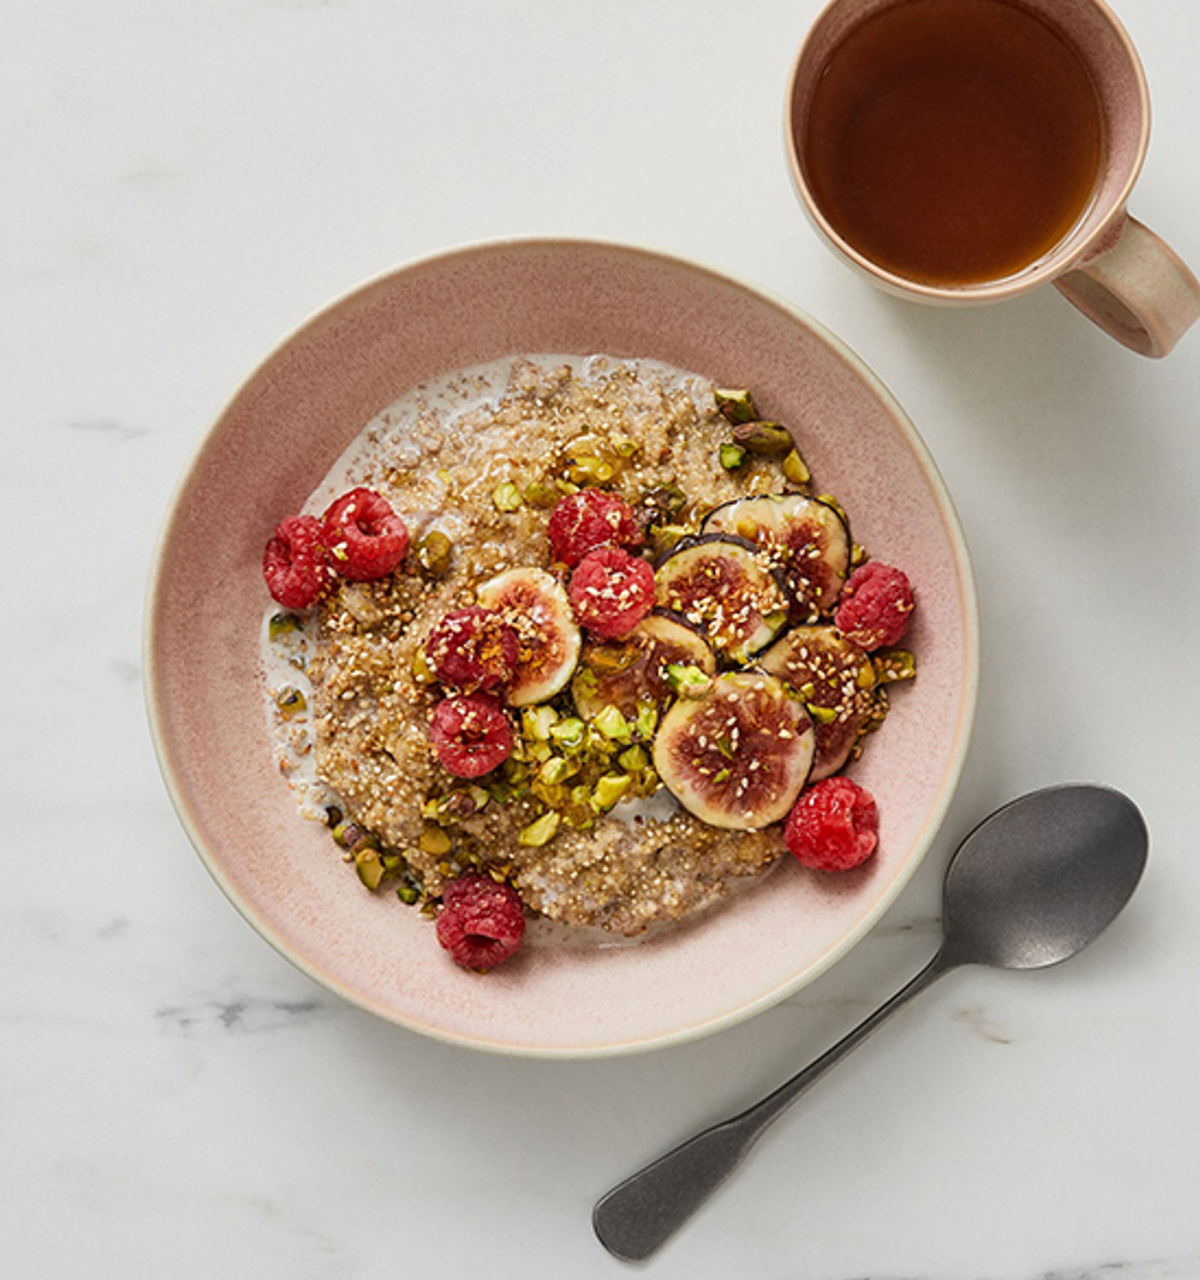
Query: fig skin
(738, 756)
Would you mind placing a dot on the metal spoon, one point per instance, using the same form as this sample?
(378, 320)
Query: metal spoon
(1030, 886)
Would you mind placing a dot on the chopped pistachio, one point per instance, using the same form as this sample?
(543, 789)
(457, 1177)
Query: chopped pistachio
(609, 789)
(557, 769)
(858, 554)
(735, 405)
(646, 720)
(350, 836)
(409, 890)
(633, 759)
(867, 677)
(422, 672)
(624, 446)
(764, 439)
(822, 715)
(721, 775)
(775, 619)
(369, 866)
(540, 495)
(664, 537)
(291, 702)
(536, 722)
(506, 497)
(283, 624)
(795, 469)
(568, 733)
(435, 841)
(895, 664)
(612, 724)
(687, 681)
(433, 553)
(732, 456)
(590, 470)
(667, 499)
(540, 831)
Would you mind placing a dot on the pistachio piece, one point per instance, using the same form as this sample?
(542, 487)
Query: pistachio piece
(609, 789)
(666, 537)
(557, 769)
(291, 703)
(540, 495)
(409, 889)
(765, 439)
(540, 831)
(687, 681)
(894, 664)
(433, 554)
(735, 405)
(568, 733)
(589, 470)
(536, 722)
(435, 841)
(369, 866)
(350, 836)
(795, 469)
(612, 724)
(282, 624)
(506, 497)
(732, 456)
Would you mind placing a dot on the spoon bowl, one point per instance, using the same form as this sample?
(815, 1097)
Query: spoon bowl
(1032, 885)
(1039, 879)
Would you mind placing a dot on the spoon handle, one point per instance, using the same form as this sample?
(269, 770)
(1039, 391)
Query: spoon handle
(643, 1212)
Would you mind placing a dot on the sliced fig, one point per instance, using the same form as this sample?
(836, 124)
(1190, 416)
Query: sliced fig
(724, 586)
(535, 605)
(836, 679)
(739, 756)
(805, 538)
(630, 672)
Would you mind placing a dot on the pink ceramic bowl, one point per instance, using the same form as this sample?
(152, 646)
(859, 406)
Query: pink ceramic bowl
(275, 441)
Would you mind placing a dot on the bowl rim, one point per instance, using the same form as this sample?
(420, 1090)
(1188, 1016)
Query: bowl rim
(177, 793)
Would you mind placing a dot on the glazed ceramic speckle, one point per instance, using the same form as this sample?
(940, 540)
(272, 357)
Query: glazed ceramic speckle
(275, 441)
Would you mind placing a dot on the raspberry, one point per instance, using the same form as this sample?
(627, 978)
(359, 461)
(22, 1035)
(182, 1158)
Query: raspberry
(481, 922)
(874, 606)
(591, 518)
(470, 734)
(611, 591)
(364, 537)
(472, 648)
(833, 826)
(294, 563)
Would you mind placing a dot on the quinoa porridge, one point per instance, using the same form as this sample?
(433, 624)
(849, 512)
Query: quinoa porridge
(639, 712)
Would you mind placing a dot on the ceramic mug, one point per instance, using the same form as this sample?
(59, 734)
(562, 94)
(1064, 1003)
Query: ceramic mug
(1110, 266)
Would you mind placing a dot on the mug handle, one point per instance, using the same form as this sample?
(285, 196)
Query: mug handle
(1139, 290)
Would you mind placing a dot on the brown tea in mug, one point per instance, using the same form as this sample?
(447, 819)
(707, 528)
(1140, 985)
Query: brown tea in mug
(953, 142)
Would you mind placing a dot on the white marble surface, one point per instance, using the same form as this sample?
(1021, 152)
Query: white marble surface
(182, 183)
